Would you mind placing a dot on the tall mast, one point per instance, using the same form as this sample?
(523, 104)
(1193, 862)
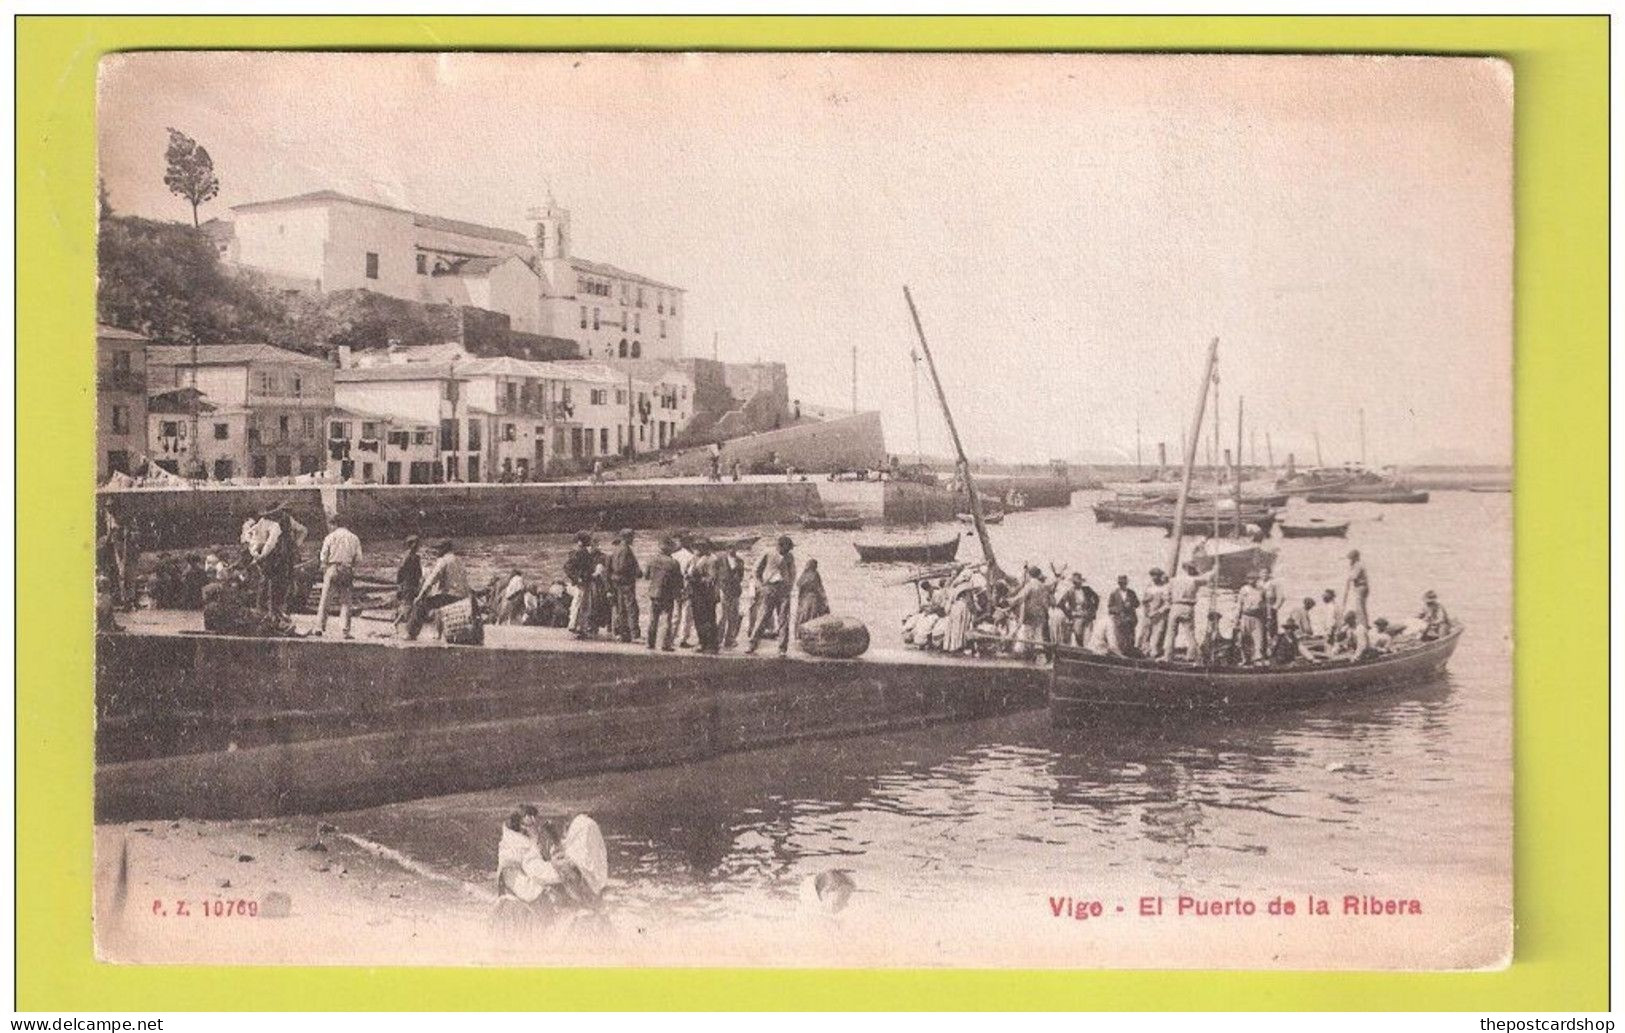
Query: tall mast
(1137, 463)
(1319, 459)
(959, 447)
(1362, 437)
(914, 383)
(1190, 458)
(1241, 405)
(1269, 452)
(1218, 457)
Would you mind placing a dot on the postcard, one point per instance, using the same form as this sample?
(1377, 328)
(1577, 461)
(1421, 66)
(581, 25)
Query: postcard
(804, 509)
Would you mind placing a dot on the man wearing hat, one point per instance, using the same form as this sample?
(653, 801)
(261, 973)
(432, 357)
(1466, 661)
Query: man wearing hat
(1122, 606)
(665, 585)
(578, 568)
(1284, 650)
(1078, 605)
(1436, 622)
(341, 551)
(624, 572)
(1154, 606)
(775, 575)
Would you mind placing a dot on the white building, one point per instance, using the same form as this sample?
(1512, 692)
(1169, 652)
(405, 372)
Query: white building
(337, 242)
(507, 418)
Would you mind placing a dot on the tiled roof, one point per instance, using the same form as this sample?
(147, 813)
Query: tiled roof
(114, 333)
(433, 222)
(398, 371)
(468, 229)
(605, 269)
(229, 355)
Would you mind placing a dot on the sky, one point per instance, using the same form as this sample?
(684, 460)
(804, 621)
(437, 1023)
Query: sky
(1074, 228)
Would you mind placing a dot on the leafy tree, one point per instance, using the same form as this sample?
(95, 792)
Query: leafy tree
(190, 172)
(164, 279)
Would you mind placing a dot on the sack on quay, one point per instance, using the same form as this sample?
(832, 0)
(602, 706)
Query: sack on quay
(460, 624)
(838, 638)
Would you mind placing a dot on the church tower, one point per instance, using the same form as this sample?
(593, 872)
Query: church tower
(552, 230)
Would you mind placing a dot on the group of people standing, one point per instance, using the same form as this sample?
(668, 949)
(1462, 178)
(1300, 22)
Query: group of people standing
(1031, 615)
(696, 593)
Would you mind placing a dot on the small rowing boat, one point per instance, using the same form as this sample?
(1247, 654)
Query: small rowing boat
(1082, 682)
(903, 551)
(1382, 496)
(830, 523)
(1232, 563)
(1314, 527)
(993, 517)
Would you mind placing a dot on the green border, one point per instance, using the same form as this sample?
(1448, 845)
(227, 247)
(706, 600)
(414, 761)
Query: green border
(1561, 69)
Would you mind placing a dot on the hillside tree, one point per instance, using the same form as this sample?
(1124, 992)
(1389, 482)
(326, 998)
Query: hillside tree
(190, 171)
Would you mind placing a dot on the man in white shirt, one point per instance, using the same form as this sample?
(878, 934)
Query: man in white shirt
(341, 551)
(683, 621)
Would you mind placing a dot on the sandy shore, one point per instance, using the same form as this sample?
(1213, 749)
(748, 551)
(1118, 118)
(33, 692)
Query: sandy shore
(301, 891)
(277, 891)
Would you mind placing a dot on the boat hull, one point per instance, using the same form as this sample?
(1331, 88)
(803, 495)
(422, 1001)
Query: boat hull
(1386, 498)
(818, 523)
(1083, 683)
(1328, 529)
(914, 552)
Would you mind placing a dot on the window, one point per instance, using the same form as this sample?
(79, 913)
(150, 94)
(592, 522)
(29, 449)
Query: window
(267, 384)
(603, 440)
(510, 392)
(121, 419)
(307, 425)
(510, 432)
(222, 431)
(623, 348)
(338, 431)
(310, 464)
(423, 264)
(259, 463)
(624, 293)
(448, 435)
(662, 328)
(423, 437)
(121, 360)
(298, 385)
(366, 472)
(399, 439)
(674, 306)
(595, 319)
(369, 430)
(284, 428)
(637, 322)
(473, 444)
(451, 468)
(372, 265)
(660, 305)
(222, 469)
(583, 317)
(620, 397)
(473, 469)
(600, 396)
(640, 297)
(284, 466)
(637, 349)
(620, 437)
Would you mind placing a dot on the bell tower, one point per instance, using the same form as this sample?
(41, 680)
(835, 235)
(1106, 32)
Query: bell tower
(552, 230)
